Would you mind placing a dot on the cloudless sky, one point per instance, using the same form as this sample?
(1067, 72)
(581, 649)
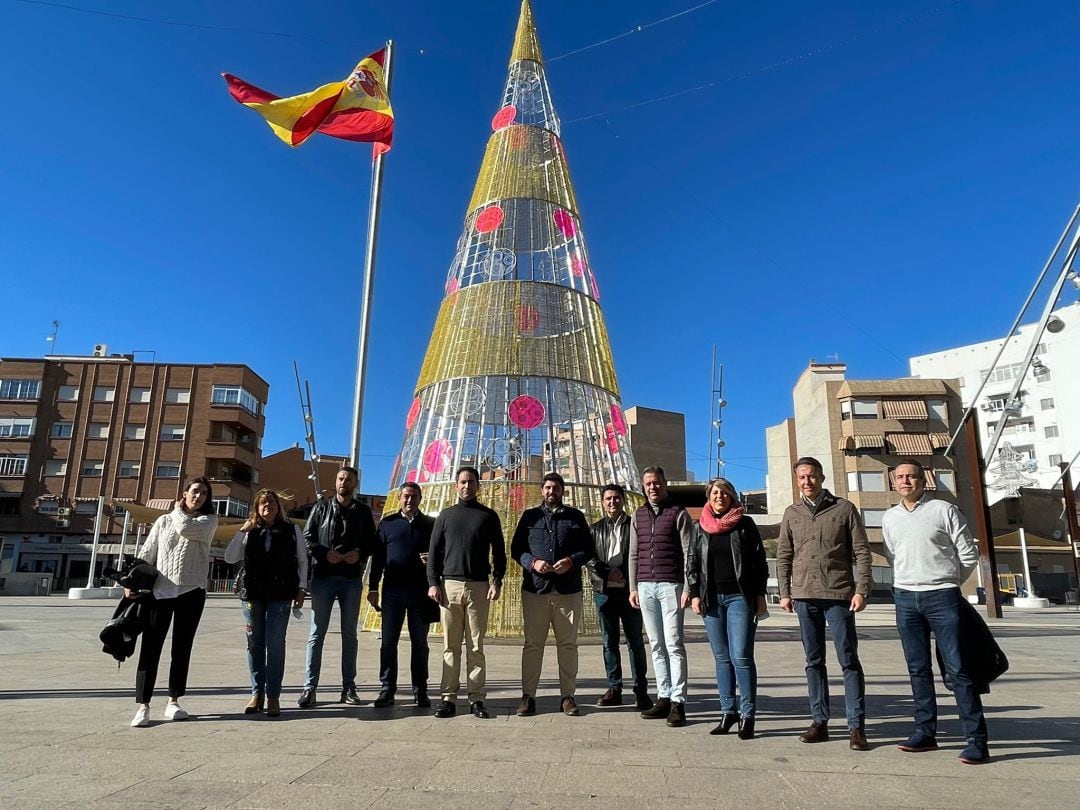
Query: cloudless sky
(892, 193)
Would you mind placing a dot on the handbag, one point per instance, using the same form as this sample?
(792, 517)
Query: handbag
(240, 583)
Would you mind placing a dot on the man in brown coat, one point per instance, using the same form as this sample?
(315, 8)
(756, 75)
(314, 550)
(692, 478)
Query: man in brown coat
(821, 537)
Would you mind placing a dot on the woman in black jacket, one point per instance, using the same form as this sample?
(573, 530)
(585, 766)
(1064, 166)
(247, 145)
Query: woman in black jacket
(275, 564)
(726, 575)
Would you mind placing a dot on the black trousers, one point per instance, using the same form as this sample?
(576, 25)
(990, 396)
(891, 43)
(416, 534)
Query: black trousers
(184, 613)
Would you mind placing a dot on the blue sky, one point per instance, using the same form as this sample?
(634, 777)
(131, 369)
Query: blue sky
(869, 181)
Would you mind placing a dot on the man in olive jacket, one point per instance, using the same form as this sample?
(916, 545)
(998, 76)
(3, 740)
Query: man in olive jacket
(821, 537)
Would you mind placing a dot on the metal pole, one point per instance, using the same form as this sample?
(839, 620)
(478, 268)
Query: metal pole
(369, 283)
(97, 536)
(123, 539)
(1015, 325)
(138, 538)
(1029, 586)
(983, 527)
(1070, 517)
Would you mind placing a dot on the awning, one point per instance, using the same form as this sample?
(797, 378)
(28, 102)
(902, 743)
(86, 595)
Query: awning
(939, 441)
(904, 408)
(909, 444)
(874, 441)
(930, 480)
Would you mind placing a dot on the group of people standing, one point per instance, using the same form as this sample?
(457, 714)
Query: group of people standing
(645, 569)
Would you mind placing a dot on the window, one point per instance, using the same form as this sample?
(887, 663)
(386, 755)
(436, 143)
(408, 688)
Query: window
(1056, 459)
(167, 471)
(13, 464)
(93, 468)
(946, 480)
(48, 507)
(231, 507)
(1002, 373)
(15, 427)
(1025, 450)
(872, 518)
(1043, 375)
(105, 393)
(129, 469)
(134, 431)
(19, 389)
(864, 408)
(178, 396)
(938, 409)
(139, 395)
(172, 432)
(1047, 404)
(67, 393)
(56, 466)
(235, 395)
(845, 409)
(866, 482)
(1051, 431)
(86, 508)
(61, 430)
(1040, 349)
(97, 430)
(9, 504)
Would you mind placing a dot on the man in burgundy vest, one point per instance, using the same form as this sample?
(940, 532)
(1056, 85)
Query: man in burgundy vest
(659, 539)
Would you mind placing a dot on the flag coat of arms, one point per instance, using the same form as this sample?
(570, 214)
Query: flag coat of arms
(356, 109)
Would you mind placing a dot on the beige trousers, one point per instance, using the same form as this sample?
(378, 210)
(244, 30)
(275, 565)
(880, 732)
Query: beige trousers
(561, 613)
(464, 618)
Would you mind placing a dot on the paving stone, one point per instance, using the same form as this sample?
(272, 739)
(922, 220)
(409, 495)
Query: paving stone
(323, 797)
(483, 777)
(442, 799)
(374, 772)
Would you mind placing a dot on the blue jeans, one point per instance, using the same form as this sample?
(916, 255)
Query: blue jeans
(396, 604)
(612, 607)
(664, 623)
(731, 626)
(918, 613)
(267, 623)
(324, 590)
(813, 615)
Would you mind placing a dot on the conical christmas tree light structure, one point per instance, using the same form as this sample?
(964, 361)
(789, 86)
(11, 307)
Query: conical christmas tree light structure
(518, 379)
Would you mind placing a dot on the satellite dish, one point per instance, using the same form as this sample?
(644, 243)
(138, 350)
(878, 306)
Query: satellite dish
(1057, 534)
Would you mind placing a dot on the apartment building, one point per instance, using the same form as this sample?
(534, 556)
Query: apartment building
(76, 428)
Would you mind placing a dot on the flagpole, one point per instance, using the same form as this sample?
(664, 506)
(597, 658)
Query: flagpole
(369, 283)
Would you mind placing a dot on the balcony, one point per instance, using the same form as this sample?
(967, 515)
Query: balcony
(229, 471)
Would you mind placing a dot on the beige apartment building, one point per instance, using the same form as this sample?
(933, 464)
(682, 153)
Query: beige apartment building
(860, 430)
(76, 428)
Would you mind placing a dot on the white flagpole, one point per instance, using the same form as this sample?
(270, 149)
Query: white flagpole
(369, 283)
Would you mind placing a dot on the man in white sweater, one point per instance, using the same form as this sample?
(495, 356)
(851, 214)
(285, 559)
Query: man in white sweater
(931, 551)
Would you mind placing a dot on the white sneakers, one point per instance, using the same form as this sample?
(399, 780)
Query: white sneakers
(174, 712)
(142, 717)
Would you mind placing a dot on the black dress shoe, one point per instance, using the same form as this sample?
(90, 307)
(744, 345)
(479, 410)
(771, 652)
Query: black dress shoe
(818, 732)
(478, 709)
(677, 715)
(446, 709)
(746, 728)
(727, 722)
(306, 699)
(527, 707)
(643, 702)
(659, 711)
(383, 700)
(612, 697)
(421, 699)
(348, 695)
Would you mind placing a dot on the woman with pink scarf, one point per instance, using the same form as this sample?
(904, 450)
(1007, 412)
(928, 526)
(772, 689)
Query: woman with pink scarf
(726, 574)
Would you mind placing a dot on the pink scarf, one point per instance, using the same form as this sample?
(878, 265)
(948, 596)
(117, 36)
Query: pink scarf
(722, 524)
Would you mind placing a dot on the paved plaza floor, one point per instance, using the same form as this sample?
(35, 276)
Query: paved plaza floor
(65, 740)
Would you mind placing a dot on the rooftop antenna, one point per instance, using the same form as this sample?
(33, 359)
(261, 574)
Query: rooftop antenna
(51, 339)
(304, 393)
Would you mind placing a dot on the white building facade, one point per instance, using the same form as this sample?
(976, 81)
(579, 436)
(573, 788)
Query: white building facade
(1043, 427)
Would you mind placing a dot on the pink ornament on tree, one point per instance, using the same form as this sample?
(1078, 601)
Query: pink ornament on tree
(504, 117)
(526, 412)
(438, 456)
(617, 420)
(564, 221)
(612, 439)
(528, 317)
(452, 286)
(578, 266)
(413, 414)
(489, 219)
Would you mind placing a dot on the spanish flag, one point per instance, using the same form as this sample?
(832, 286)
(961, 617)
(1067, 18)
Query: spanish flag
(357, 109)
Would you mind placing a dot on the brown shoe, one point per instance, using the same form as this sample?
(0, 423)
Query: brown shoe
(273, 707)
(818, 732)
(527, 707)
(858, 740)
(659, 711)
(569, 707)
(255, 705)
(612, 697)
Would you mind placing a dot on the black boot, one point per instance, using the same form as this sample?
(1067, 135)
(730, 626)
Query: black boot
(659, 711)
(746, 728)
(727, 722)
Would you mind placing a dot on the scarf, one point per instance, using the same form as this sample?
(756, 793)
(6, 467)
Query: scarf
(721, 524)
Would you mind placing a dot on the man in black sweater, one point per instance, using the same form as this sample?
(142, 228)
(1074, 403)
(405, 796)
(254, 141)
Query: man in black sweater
(551, 543)
(458, 570)
(399, 561)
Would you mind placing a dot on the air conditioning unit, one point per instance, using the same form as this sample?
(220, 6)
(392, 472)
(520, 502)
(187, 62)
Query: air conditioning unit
(63, 523)
(63, 511)
(101, 350)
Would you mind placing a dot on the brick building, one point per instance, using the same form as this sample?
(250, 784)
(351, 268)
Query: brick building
(76, 428)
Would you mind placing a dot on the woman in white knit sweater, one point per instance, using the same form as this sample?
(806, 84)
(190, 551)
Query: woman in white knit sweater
(179, 547)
